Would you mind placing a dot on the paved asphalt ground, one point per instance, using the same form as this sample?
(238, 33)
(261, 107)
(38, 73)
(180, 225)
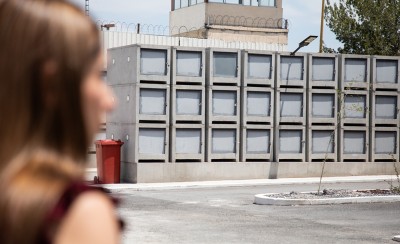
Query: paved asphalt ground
(228, 215)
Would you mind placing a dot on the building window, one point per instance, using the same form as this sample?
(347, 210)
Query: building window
(232, 1)
(266, 3)
(186, 3)
(262, 3)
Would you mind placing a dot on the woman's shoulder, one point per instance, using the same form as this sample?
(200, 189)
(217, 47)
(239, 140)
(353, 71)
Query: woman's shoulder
(91, 219)
(81, 214)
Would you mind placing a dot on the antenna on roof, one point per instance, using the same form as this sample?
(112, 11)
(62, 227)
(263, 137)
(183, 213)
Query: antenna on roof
(87, 7)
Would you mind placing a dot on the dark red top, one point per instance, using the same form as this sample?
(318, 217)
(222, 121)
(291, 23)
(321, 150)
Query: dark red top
(56, 215)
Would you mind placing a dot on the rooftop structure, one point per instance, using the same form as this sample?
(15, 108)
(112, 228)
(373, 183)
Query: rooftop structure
(230, 20)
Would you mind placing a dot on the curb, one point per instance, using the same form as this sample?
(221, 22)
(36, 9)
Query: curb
(264, 199)
(121, 188)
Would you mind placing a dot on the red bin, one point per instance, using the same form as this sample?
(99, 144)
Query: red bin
(108, 155)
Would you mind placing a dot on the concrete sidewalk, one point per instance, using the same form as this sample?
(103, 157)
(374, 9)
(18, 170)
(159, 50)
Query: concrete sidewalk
(241, 183)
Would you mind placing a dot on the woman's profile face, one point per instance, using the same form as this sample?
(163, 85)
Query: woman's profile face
(97, 98)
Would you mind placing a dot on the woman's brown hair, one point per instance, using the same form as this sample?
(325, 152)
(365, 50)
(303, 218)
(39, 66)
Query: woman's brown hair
(46, 49)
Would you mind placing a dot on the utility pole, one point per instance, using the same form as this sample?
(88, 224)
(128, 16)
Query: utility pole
(321, 34)
(87, 7)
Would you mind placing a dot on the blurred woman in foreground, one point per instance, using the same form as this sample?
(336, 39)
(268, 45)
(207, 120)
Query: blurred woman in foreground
(51, 100)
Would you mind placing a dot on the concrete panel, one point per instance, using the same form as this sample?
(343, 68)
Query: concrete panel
(385, 73)
(142, 142)
(125, 110)
(158, 172)
(119, 69)
(193, 17)
(354, 107)
(322, 143)
(258, 68)
(187, 143)
(323, 71)
(384, 144)
(322, 106)
(141, 102)
(290, 143)
(216, 9)
(152, 173)
(224, 66)
(257, 105)
(223, 142)
(147, 173)
(355, 71)
(135, 64)
(291, 106)
(223, 104)
(257, 143)
(188, 65)
(299, 170)
(129, 172)
(354, 144)
(188, 104)
(291, 70)
(385, 108)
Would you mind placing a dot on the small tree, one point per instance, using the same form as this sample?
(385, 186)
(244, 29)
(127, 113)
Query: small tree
(370, 27)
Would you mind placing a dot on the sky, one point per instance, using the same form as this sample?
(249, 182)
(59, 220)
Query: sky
(304, 17)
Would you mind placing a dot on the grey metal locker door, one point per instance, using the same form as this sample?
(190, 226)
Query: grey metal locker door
(323, 105)
(188, 141)
(290, 141)
(224, 103)
(188, 102)
(259, 66)
(355, 70)
(225, 64)
(354, 142)
(153, 62)
(322, 141)
(291, 105)
(152, 101)
(292, 68)
(152, 141)
(323, 69)
(258, 141)
(386, 71)
(223, 141)
(385, 142)
(386, 107)
(355, 106)
(258, 103)
(188, 63)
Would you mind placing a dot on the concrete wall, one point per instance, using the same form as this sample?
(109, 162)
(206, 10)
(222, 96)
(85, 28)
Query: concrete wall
(190, 17)
(245, 11)
(230, 22)
(197, 15)
(248, 34)
(181, 172)
(146, 167)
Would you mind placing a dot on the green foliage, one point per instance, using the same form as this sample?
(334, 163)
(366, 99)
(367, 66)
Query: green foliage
(369, 27)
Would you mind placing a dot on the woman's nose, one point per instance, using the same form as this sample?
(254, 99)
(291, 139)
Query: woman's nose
(108, 99)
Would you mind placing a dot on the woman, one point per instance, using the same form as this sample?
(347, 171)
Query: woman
(51, 100)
